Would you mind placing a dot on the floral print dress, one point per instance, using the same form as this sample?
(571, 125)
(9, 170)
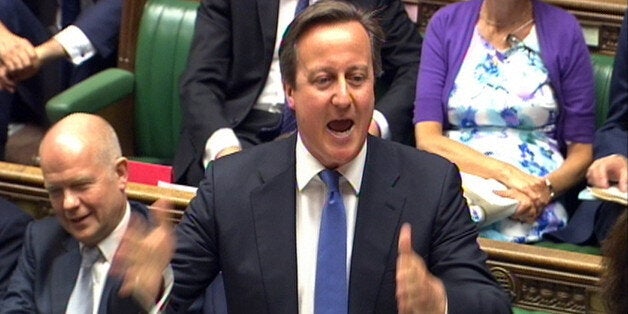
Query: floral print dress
(503, 105)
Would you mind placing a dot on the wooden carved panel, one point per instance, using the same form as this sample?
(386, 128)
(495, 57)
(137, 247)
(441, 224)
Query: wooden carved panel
(541, 290)
(543, 279)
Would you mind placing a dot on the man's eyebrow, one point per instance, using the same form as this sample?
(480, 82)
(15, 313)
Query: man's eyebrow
(74, 182)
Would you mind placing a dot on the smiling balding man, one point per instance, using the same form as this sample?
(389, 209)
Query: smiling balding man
(86, 177)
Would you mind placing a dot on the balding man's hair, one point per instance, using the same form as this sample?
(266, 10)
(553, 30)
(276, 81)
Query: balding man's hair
(110, 149)
(327, 12)
(94, 132)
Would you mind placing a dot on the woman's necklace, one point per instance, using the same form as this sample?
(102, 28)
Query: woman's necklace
(511, 36)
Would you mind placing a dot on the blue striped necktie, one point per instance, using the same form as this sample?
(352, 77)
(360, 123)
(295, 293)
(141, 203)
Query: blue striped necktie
(330, 293)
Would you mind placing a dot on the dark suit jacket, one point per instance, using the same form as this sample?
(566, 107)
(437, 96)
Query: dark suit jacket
(101, 24)
(230, 58)
(28, 103)
(48, 269)
(242, 222)
(611, 137)
(12, 226)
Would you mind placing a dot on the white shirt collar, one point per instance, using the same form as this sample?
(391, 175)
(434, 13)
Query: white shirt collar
(308, 167)
(109, 245)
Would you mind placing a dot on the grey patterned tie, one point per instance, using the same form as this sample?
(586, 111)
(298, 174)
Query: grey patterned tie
(82, 298)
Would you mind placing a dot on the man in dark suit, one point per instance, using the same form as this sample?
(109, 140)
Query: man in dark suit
(593, 219)
(231, 95)
(86, 177)
(409, 244)
(86, 43)
(12, 226)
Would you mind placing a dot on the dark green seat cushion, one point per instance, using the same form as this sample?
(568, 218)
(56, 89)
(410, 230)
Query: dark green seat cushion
(518, 310)
(585, 249)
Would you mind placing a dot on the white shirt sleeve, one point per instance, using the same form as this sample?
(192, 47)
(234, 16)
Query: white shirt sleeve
(218, 141)
(382, 123)
(76, 44)
(168, 283)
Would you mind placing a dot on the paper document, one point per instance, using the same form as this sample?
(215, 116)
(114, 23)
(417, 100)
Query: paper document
(611, 194)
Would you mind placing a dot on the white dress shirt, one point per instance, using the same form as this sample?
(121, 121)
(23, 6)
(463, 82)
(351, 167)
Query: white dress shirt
(101, 267)
(108, 248)
(310, 199)
(75, 43)
(271, 94)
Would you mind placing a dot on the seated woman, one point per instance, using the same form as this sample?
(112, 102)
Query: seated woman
(506, 91)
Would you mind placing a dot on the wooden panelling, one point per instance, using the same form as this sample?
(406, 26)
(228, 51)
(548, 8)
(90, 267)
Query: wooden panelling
(600, 19)
(544, 279)
(131, 15)
(24, 185)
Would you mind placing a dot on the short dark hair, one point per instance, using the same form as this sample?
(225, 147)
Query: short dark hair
(615, 264)
(326, 12)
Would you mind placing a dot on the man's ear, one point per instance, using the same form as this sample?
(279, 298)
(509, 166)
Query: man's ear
(288, 89)
(122, 170)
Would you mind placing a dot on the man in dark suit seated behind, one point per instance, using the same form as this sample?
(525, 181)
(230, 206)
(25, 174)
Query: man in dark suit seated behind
(86, 177)
(12, 226)
(593, 219)
(393, 233)
(86, 42)
(231, 94)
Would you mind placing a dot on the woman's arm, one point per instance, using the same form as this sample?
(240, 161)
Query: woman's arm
(471, 161)
(579, 157)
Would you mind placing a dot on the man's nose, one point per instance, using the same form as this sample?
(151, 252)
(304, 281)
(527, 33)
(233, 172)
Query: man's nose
(70, 200)
(342, 96)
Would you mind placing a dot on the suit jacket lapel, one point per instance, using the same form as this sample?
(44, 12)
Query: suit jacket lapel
(379, 210)
(110, 282)
(109, 300)
(64, 271)
(273, 204)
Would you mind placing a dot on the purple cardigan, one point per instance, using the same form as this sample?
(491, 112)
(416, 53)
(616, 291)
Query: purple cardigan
(563, 51)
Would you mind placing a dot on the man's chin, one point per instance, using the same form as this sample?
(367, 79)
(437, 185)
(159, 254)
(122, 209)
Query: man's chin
(343, 155)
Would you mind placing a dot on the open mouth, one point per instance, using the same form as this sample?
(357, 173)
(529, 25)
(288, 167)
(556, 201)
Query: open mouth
(340, 127)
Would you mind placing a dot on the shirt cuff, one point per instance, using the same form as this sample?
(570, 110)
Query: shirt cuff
(168, 283)
(218, 141)
(76, 44)
(382, 123)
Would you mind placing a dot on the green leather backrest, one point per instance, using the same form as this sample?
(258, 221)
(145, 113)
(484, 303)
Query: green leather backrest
(603, 69)
(163, 44)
